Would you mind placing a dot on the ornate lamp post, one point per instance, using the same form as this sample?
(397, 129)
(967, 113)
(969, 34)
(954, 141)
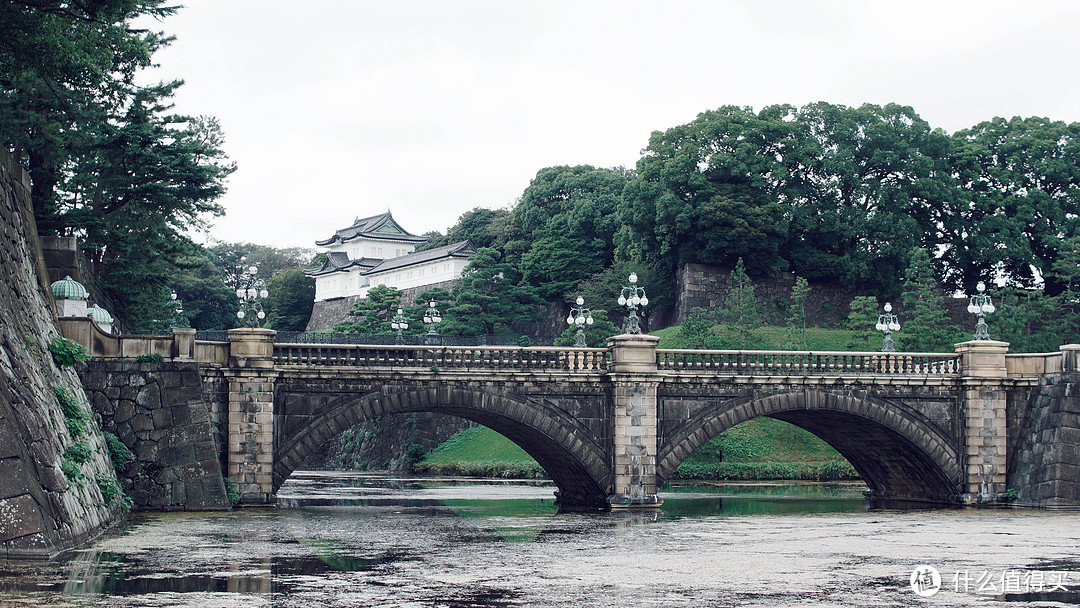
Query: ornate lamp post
(400, 323)
(250, 291)
(887, 323)
(981, 305)
(633, 296)
(178, 309)
(432, 317)
(581, 317)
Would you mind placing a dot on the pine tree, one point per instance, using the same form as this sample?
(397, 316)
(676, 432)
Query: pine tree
(861, 319)
(926, 330)
(796, 317)
(372, 314)
(596, 334)
(696, 330)
(487, 298)
(740, 311)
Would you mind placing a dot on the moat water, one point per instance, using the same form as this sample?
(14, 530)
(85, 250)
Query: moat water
(340, 539)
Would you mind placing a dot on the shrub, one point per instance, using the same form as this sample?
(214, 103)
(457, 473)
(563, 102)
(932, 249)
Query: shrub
(66, 353)
(120, 454)
(75, 416)
(111, 491)
(72, 471)
(75, 455)
(231, 491)
(78, 452)
(152, 358)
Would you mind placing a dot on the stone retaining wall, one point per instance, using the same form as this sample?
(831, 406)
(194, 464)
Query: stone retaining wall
(707, 286)
(42, 512)
(325, 314)
(1044, 467)
(158, 411)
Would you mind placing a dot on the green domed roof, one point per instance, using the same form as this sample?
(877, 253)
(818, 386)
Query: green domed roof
(99, 315)
(68, 289)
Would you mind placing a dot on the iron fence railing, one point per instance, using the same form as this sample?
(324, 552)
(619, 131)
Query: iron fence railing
(440, 358)
(321, 337)
(802, 363)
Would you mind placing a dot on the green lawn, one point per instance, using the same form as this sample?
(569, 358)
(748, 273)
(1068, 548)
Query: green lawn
(762, 448)
(482, 452)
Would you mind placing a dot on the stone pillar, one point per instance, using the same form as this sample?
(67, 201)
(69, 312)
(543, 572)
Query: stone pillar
(251, 347)
(251, 413)
(1070, 357)
(984, 419)
(184, 343)
(634, 416)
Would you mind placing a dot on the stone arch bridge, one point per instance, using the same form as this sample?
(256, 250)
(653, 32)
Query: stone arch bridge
(611, 425)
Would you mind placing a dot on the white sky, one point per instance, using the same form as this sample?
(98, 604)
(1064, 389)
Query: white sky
(340, 109)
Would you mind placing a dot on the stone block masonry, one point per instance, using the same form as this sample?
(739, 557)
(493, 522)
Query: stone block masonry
(42, 512)
(158, 411)
(1045, 465)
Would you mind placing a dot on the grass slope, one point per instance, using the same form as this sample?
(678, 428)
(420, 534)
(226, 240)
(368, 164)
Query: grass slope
(482, 452)
(762, 448)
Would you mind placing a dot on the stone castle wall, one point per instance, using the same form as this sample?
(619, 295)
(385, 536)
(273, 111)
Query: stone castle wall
(1043, 465)
(707, 286)
(42, 512)
(325, 314)
(157, 410)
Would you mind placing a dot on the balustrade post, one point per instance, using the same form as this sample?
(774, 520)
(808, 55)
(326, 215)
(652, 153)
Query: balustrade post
(985, 420)
(251, 379)
(634, 419)
(183, 343)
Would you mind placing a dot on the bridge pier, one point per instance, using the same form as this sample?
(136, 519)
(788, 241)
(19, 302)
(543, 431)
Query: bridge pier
(983, 421)
(634, 422)
(251, 378)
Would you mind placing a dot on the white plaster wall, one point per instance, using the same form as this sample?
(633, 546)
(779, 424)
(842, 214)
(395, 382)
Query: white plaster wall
(366, 248)
(419, 275)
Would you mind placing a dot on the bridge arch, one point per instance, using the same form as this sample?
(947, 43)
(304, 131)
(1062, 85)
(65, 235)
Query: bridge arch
(895, 452)
(565, 448)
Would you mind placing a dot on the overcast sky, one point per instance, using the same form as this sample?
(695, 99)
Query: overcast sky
(340, 109)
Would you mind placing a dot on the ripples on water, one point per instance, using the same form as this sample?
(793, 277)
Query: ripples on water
(366, 540)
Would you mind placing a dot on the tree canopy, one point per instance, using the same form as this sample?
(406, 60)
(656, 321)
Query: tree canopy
(107, 159)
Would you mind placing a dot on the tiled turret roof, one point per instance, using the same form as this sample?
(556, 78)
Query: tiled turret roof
(378, 227)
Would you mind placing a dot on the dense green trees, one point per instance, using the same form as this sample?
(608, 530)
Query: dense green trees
(563, 228)
(292, 296)
(1020, 182)
(488, 298)
(827, 191)
(372, 314)
(479, 226)
(106, 158)
(830, 192)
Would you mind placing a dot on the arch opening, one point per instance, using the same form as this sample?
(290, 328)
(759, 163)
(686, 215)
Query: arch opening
(559, 444)
(897, 457)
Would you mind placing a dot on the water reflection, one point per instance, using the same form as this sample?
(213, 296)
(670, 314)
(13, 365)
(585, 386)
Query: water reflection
(361, 540)
(710, 499)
